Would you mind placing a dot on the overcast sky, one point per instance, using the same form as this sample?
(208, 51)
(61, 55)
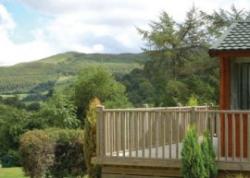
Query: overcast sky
(34, 29)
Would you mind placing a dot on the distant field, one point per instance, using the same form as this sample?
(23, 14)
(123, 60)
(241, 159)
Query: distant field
(11, 173)
(20, 96)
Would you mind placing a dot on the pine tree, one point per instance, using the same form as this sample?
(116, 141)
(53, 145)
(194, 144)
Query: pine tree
(209, 155)
(192, 159)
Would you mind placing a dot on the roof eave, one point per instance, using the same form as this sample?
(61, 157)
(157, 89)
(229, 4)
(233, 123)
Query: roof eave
(229, 53)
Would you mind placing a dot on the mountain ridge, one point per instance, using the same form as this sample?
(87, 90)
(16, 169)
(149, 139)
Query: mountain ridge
(22, 77)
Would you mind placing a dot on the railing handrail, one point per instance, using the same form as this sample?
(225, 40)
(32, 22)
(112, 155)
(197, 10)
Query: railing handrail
(175, 108)
(225, 111)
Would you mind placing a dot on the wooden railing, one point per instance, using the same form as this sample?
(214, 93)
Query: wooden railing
(157, 133)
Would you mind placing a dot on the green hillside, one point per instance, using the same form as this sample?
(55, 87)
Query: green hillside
(43, 74)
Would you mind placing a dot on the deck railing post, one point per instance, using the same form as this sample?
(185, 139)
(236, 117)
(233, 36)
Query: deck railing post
(248, 136)
(192, 116)
(100, 135)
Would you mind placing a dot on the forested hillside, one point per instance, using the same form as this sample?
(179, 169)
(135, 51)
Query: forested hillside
(42, 75)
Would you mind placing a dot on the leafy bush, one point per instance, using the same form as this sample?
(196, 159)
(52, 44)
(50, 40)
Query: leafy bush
(90, 139)
(98, 82)
(55, 152)
(58, 111)
(192, 159)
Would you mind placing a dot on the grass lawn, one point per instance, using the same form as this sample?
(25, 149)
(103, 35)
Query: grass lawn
(11, 173)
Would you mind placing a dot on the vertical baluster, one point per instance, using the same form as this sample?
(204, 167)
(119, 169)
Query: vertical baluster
(248, 136)
(211, 118)
(117, 133)
(100, 132)
(114, 133)
(130, 133)
(150, 133)
(140, 135)
(218, 120)
(111, 133)
(163, 141)
(107, 132)
(185, 119)
(104, 134)
(198, 122)
(143, 133)
(241, 136)
(157, 129)
(127, 133)
(177, 133)
(233, 135)
(226, 136)
(147, 133)
(170, 133)
(123, 134)
(136, 119)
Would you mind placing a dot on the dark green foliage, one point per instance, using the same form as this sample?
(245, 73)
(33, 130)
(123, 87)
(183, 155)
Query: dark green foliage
(68, 153)
(98, 82)
(12, 124)
(209, 155)
(10, 159)
(34, 97)
(54, 152)
(34, 106)
(13, 101)
(191, 156)
(43, 87)
(140, 90)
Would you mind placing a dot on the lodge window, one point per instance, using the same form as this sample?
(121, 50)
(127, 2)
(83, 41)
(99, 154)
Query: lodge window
(240, 84)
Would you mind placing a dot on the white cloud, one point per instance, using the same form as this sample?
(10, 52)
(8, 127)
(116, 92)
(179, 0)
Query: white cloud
(93, 25)
(12, 53)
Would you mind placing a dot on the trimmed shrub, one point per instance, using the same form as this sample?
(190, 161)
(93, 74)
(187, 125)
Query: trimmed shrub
(192, 159)
(68, 153)
(55, 152)
(209, 155)
(90, 139)
(36, 153)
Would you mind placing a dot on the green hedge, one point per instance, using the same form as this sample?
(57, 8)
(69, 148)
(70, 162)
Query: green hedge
(55, 152)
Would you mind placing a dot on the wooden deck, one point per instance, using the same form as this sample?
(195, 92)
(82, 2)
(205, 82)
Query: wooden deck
(151, 138)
